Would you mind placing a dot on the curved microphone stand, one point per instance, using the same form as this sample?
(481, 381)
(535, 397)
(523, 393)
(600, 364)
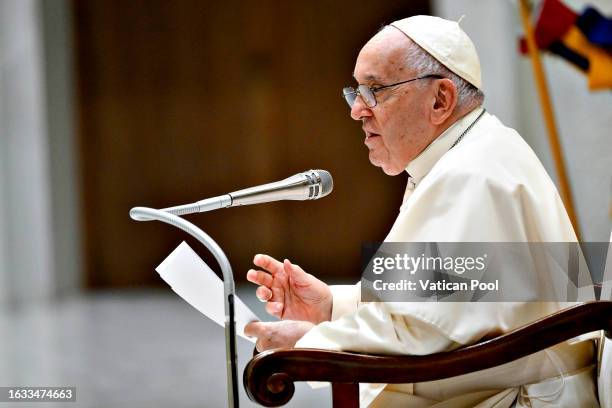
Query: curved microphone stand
(150, 214)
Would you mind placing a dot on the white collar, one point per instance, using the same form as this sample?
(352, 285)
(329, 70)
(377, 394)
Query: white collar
(424, 162)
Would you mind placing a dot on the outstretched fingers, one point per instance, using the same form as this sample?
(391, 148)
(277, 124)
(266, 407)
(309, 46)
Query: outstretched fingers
(263, 293)
(268, 263)
(259, 277)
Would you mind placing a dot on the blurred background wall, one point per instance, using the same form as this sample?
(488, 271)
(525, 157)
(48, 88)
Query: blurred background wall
(105, 105)
(184, 100)
(40, 233)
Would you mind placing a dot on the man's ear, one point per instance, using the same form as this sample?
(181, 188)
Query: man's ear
(445, 100)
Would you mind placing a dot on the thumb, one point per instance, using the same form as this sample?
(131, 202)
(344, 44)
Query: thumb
(296, 273)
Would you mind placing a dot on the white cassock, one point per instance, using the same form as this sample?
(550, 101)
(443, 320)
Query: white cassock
(489, 187)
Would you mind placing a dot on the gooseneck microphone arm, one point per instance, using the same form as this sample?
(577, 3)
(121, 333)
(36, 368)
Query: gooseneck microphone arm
(229, 289)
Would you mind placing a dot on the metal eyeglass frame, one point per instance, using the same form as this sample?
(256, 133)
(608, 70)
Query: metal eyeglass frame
(357, 92)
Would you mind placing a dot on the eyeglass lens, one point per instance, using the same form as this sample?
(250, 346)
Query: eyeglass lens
(367, 95)
(350, 95)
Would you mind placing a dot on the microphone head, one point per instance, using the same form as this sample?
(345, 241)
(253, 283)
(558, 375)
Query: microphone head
(327, 183)
(319, 184)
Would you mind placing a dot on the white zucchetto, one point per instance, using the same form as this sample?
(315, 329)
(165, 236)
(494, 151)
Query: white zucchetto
(446, 42)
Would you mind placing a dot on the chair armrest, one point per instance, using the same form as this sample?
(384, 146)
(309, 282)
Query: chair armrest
(269, 377)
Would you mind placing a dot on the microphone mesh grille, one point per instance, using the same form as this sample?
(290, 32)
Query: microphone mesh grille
(327, 183)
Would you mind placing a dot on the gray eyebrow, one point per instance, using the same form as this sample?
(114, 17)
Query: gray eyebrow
(368, 77)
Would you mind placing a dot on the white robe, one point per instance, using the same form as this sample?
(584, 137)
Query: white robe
(490, 187)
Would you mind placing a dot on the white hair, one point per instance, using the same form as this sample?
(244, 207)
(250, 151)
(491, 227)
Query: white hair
(423, 63)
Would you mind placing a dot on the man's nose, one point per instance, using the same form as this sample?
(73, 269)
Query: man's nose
(359, 109)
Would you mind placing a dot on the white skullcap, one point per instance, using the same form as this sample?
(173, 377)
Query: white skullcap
(446, 42)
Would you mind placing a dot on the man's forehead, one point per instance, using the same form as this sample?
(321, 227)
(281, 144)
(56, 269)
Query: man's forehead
(383, 56)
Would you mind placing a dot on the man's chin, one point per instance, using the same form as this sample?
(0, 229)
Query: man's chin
(392, 172)
(388, 170)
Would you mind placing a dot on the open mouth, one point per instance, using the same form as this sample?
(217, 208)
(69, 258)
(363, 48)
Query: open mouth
(370, 140)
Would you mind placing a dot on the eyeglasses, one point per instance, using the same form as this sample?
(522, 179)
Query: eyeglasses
(368, 94)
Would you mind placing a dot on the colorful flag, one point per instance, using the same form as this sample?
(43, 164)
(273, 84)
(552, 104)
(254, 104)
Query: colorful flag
(600, 61)
(554, 20)
(584, 40)
(596, 27)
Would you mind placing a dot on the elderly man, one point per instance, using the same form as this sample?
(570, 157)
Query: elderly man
(470, 180)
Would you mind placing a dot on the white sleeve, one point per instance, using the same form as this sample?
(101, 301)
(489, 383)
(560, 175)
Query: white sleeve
(345, 299)
(372, 328)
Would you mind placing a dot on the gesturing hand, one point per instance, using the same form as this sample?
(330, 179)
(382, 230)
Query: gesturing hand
(290, 292)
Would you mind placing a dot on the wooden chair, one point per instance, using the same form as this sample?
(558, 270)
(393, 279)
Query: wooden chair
(269, 377)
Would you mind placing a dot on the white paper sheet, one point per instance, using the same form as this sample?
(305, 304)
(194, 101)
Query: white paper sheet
(194, 281)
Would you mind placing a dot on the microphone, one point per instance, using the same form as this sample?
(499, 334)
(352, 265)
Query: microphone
(309, 185)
